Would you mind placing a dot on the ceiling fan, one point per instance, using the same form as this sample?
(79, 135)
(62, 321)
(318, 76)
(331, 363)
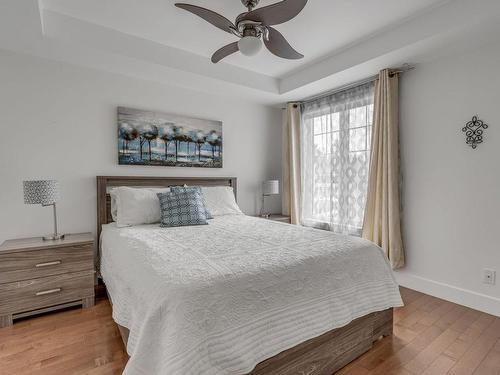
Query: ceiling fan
(252, 25)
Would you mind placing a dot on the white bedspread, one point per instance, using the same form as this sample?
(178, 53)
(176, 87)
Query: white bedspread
(220, 298)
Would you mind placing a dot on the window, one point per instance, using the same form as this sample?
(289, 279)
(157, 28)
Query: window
(336, 138)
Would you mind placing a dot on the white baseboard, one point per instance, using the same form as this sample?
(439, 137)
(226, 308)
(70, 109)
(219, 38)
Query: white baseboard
(474, 300)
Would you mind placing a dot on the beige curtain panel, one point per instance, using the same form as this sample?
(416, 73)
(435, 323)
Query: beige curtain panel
(382, 223)
(291, 163)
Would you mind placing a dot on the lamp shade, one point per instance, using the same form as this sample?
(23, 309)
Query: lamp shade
(41, 191)
(271, 187)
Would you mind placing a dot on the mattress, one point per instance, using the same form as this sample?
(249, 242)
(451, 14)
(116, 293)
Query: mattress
(220, 298)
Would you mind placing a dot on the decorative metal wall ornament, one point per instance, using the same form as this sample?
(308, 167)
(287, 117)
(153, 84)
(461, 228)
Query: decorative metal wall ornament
(474, 132)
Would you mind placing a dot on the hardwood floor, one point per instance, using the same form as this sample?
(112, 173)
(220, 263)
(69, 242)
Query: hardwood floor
(74, 341)
(434, 337)
(431, 337)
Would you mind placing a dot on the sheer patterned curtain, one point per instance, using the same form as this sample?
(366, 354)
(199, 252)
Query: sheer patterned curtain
(336, 138)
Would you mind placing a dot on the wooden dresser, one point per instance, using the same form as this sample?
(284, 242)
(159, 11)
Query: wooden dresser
(38, 276)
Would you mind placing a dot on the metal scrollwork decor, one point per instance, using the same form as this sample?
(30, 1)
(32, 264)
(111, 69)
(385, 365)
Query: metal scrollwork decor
(474, 132)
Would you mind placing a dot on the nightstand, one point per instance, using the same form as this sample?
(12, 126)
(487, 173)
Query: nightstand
(38, 276)
(278, 217)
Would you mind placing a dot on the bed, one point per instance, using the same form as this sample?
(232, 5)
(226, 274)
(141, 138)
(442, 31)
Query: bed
(241, 295)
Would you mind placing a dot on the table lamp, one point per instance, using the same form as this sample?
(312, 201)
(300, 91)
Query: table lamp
(270, 187)
(46, 193)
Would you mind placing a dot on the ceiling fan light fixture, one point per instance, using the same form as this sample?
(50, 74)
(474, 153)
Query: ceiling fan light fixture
(250, 45)
(253, 25)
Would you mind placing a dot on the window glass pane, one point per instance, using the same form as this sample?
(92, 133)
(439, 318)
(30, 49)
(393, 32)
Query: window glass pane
(357, 117)
(335, 121)
(322, 124)
(319, 145)
(317, 125)
(357, 139)
(334, 142)
(369, 114)
(369, 130)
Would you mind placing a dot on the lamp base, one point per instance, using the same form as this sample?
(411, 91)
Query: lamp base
(53, 237)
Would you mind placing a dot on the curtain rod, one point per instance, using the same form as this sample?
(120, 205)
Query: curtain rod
(402, 69)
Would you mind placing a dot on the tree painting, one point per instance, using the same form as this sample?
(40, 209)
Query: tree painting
(213, 140)
(178, 137)
(166, 134)
(147, 133)
(128, 133)
(145, 137)
(199, 139)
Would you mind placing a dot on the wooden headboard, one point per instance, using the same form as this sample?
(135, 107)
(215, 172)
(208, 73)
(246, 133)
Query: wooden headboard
(104, 183)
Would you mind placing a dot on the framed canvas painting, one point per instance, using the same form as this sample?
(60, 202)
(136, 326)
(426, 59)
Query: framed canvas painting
(155, 138)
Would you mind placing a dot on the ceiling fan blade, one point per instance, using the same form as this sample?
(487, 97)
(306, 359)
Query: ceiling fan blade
(275, 14)
(224, 52)
(214, 18)
(278, 45)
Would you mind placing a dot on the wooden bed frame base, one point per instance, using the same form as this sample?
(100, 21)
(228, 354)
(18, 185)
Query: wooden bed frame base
(325, 354)
(322, 355)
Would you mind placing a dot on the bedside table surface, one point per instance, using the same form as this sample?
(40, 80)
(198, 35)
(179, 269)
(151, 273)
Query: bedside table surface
(278, 216)
(37, 243)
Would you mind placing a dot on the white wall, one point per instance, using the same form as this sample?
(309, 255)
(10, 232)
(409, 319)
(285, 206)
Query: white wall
(59, 121)
(451, 192)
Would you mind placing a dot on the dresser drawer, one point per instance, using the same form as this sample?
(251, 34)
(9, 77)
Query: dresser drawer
(27, 265)
(47, 291)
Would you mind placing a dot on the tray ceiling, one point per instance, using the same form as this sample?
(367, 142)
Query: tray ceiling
(323, 27)
(343, 41)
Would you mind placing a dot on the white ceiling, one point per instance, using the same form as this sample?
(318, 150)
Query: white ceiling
(323, 27)
(343, 41)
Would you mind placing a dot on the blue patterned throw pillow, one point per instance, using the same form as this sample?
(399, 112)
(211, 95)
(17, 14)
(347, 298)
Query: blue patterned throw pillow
(193, 188)
(182, 208)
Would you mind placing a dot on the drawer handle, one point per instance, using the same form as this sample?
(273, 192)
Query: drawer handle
(56, 262)
(50, 291)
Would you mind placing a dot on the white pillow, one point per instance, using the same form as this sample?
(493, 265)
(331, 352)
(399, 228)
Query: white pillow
(135, 206)
(114, 208)
(220, 200)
